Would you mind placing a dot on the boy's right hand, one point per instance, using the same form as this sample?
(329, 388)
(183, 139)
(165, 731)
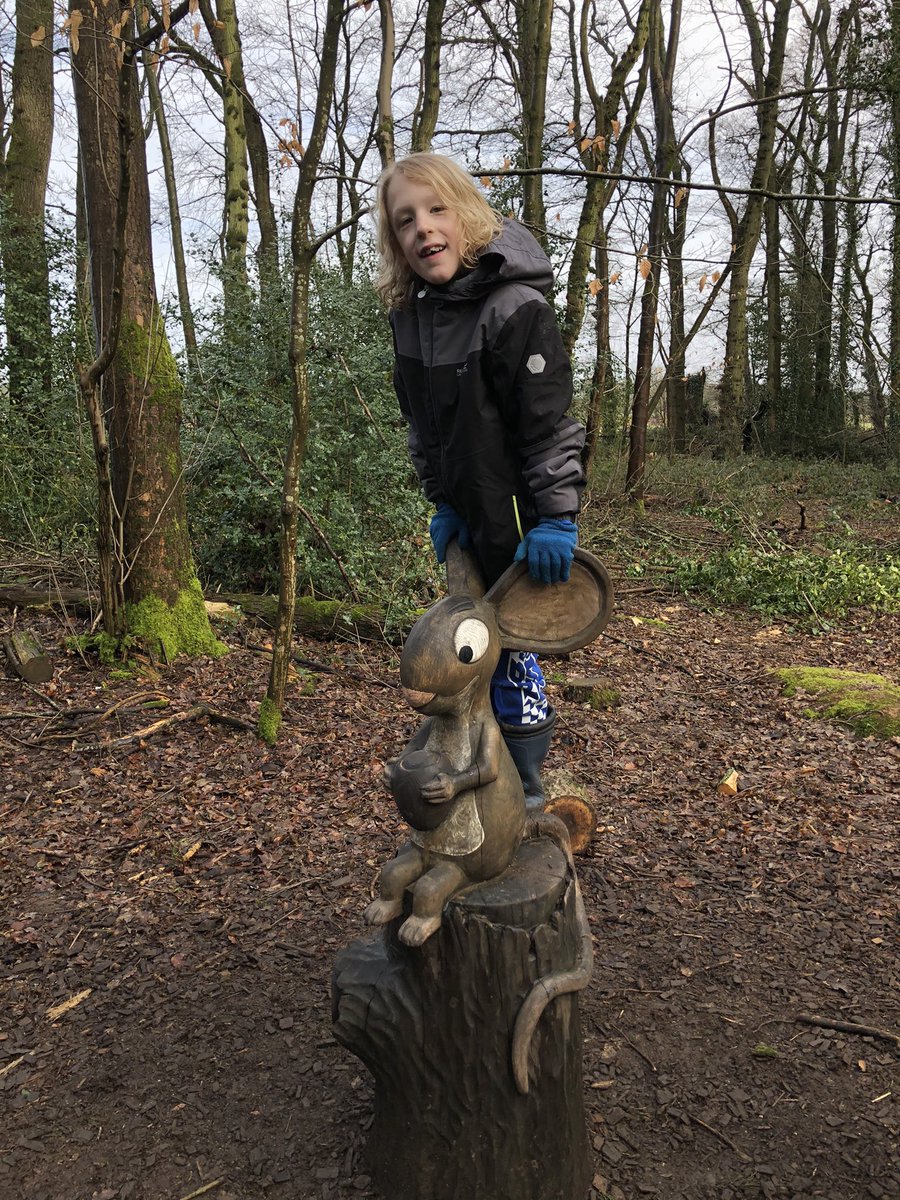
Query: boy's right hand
(446, 524)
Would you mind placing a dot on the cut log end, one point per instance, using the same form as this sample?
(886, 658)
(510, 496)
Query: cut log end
(569, 800)
(579, 818)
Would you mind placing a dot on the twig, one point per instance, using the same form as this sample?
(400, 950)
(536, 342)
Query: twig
(190, 714)
(140, 698)
(850, 1027)
(311, 522)
(201, 1191)
(721, 1136)
(365, 406)
(12, 1065)
(625, 1038)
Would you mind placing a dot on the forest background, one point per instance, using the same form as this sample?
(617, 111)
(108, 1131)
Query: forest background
(192, 340)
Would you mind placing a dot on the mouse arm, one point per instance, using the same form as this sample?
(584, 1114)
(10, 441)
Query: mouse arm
(483, 770)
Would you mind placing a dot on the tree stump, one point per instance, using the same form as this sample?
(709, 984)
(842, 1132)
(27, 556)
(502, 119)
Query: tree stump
(434, 1025)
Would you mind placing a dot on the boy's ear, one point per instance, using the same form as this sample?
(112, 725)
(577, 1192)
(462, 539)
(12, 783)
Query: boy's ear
(555, 618)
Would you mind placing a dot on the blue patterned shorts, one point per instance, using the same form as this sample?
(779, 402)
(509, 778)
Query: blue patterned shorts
(517, 689)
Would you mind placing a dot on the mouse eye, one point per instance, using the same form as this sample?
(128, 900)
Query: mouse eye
(471, 640)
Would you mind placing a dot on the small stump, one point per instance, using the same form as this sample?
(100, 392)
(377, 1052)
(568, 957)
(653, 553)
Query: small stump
(434, 1026)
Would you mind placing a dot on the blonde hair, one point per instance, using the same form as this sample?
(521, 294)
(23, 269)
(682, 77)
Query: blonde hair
(478, 223)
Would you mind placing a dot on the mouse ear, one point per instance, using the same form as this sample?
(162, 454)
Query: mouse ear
(463, 574)
(553, 618)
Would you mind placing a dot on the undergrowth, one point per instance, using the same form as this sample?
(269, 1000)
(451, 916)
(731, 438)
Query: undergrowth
(808, 541)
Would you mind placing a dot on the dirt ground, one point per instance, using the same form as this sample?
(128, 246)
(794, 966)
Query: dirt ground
(186, 892)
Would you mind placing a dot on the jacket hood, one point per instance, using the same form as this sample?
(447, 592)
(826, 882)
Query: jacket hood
(514, 256)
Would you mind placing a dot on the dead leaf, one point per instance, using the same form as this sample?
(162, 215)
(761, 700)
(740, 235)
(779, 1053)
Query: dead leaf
(189, 853)
(595, 287)
(703, 279)
(72, 23)
(486, 181)
(615, 126)
(570, 128)
(680, 195)
(644, 267)
(38, 36)
(615, 278)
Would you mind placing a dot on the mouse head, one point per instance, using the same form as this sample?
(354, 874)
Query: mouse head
(451, 652)
(455, 646)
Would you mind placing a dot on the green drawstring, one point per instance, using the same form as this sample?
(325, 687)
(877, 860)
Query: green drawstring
(518, 519)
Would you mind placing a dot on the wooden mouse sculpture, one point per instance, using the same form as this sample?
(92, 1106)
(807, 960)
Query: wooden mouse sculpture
(457, 761)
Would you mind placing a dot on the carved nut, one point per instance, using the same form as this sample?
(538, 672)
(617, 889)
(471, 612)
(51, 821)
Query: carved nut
(408, 777)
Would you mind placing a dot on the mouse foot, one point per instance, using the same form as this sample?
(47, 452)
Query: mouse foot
(416, 930)
(379, 912)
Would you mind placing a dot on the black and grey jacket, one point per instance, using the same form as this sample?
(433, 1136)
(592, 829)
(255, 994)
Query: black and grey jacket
(485, 383)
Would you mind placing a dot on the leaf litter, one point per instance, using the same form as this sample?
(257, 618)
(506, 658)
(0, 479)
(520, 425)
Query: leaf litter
(179, 899)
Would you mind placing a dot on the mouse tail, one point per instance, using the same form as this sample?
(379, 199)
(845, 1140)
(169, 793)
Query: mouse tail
(559, 983)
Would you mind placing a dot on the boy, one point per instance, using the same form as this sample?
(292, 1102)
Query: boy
(485, 384)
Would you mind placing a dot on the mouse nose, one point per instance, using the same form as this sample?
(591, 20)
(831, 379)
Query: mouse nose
(417, 699)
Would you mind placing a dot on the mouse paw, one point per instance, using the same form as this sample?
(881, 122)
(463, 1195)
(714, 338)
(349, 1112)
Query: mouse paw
(416, 930)
(379, 912)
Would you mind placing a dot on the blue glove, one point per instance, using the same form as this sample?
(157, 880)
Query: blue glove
(550, 548)
(446, 524)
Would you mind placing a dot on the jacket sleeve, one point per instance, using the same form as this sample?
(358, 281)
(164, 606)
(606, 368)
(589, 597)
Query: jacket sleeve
(533, 376)
(416, 453)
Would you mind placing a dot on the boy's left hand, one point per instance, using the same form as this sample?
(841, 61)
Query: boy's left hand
(549, 548)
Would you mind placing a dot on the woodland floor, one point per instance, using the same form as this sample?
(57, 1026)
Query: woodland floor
(200, 885)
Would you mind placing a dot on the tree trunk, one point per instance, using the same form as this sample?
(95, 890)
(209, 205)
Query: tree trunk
(662, 74)
(433, 1025)
(534, 20)
(676, 377)
(223, 29)
(165, 148)
(384, 128)
(426, 114)
(774, 409)
(596, 157)
(139, 391)
(892, 416)
(22, 240)
(732, 401)
(303, 252)
(600, 421)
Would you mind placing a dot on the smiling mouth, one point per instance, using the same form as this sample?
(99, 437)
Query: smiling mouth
(430, 251)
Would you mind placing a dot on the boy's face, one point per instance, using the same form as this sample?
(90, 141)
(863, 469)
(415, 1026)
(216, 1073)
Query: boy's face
(426, 230)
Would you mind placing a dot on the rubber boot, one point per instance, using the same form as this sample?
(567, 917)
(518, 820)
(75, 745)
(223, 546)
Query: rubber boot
(528, 746)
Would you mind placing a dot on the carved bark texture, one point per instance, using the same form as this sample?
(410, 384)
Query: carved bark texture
(434, 1026)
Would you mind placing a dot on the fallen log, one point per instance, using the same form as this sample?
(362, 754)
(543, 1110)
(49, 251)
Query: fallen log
(312, 618)
(27, 657)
